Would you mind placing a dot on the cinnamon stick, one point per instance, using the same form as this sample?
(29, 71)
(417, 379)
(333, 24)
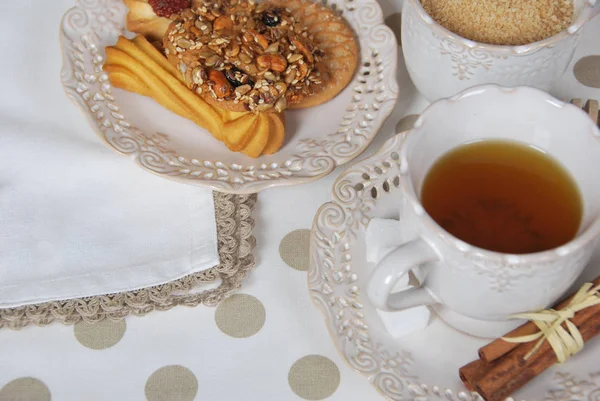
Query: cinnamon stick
(495, 381)
(510, 373)
(471, 372)
(499, 347)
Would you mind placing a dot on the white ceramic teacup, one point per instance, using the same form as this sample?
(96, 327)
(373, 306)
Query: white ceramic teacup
(473, 289)
(442, 63)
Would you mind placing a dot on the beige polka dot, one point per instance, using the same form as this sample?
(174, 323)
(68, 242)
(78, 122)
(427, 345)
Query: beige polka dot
(406, 123)
(294, 249)
(171, 383)
(25, 389)
(314, 377)
(587, 71)
(394, 21)
(240, 316)
(100, 335)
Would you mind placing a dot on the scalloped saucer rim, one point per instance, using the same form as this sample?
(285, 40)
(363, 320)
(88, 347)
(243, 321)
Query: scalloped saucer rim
(360, 110)
(395, 366)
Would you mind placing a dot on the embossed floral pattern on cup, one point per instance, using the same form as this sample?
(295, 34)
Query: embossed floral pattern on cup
(441, 63)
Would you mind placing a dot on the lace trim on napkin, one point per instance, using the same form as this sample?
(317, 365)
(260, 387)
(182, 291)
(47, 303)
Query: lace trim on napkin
(235, 243)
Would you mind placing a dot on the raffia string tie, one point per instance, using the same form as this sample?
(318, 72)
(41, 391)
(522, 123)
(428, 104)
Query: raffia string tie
(565, 341)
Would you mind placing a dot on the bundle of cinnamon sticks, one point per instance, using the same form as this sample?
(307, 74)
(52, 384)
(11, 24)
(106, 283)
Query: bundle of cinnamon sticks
(504, 367)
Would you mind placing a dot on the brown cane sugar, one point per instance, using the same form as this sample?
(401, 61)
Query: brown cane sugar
(502, 22)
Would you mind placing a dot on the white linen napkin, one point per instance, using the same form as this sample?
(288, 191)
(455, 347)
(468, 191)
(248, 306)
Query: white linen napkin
(382, 237)
(76, 218)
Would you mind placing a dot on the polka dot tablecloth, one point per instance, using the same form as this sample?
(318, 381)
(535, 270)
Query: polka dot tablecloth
(267, 342)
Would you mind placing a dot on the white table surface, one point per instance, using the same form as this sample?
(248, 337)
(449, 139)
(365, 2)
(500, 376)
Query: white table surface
(190, 356)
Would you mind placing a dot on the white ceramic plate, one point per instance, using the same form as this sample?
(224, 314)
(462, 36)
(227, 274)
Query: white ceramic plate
(423, 365)
(317, 139)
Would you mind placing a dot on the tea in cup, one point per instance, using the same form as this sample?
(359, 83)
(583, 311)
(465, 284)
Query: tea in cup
(500, 202)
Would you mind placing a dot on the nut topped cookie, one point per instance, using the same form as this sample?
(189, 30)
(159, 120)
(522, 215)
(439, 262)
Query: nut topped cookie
(337, 44)
(233, 66)
(243, 56)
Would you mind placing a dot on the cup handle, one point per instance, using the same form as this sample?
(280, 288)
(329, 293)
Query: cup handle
(395, 265)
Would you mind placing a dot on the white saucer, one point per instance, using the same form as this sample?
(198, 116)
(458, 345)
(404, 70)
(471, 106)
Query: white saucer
(422, 365)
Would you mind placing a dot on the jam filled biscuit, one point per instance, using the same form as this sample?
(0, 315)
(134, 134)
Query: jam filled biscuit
(151, 17)
(243, 56)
